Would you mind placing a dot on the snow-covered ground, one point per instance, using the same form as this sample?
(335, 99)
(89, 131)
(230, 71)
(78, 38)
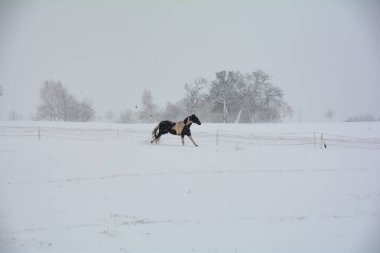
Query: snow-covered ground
(75, 187)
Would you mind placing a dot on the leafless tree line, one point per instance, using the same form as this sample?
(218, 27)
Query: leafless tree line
(362, 118)
(231, 97)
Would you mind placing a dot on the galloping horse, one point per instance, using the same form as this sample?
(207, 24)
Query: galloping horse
(181, 128)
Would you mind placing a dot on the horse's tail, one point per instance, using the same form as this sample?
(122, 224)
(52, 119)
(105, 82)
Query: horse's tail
(154, 132)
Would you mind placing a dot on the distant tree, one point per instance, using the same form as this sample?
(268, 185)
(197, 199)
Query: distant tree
(246, 94)
(148, 112)
(71, 108)
(248, 97)
(329, 114)
(13, 116)
(194, 94)
(271, 108)
(52, 96)
(57, 104)
(33, 117)
(86, 111)
(207, 112)
(126, 117)
(300, 116)
(286, 110)
(222, 93)
(257, 80)
(173, 112)
(109, 116)
(238, 95)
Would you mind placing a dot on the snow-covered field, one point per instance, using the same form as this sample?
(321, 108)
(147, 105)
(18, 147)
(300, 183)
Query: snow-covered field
(93, 187)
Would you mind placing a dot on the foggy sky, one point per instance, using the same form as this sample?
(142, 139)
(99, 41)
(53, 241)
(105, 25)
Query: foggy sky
(323, 54)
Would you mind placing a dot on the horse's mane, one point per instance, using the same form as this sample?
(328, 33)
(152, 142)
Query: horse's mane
(186, 119)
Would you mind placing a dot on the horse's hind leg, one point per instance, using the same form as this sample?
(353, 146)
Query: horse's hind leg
(156, 139)
(153, 139)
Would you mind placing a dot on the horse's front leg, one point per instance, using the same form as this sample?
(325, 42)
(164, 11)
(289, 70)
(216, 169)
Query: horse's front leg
(183, 140)
(191, 138)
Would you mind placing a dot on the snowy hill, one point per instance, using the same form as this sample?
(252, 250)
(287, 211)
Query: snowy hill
(91, 187)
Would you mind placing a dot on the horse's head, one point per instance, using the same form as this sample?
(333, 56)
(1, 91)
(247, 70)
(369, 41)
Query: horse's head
(195, 119)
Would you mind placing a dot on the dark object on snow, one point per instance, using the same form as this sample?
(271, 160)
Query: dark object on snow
(325, 145)
(181, 128)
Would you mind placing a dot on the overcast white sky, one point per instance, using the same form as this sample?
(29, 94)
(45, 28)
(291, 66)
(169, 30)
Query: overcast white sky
(323, 54)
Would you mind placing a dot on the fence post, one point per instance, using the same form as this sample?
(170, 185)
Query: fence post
(117, 134)
(39, 132)
(217, 137)
(315, 143)
(321, 141)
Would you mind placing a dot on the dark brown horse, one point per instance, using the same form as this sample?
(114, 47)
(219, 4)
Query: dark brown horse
(181, 128)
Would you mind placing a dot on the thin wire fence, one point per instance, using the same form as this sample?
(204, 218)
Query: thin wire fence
(317, 139)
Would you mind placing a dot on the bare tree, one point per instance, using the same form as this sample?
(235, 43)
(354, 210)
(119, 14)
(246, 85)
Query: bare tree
(149, 110)
(86, 111)
(329, 114)
(51, 104)
(71, 108)
(13, 116)
(109, 116)
(58, 104)
(222, 93)
(194, 94)
(243, 91)
(248, 97)
(286, 110)
(258, 80)
(173, 112)
(126, 117)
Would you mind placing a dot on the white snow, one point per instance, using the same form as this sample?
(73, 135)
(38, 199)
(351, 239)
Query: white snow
(91, 187)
